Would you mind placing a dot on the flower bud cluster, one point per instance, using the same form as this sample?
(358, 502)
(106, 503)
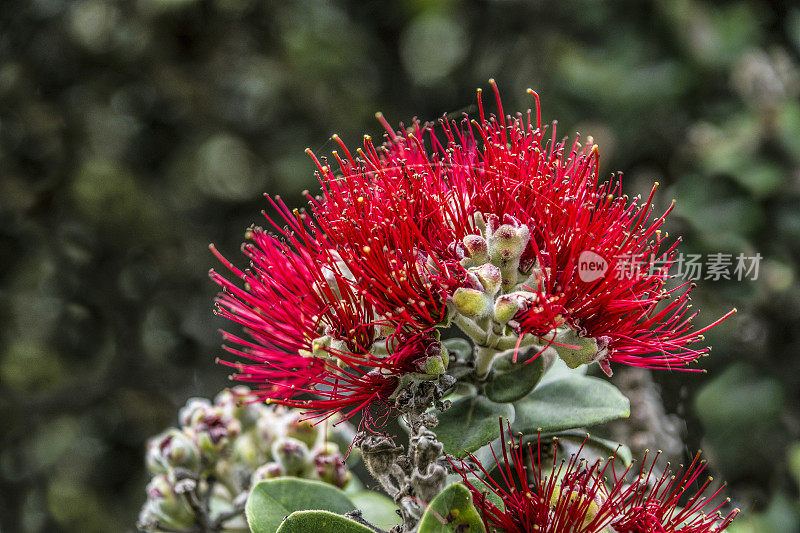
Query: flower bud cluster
(203, 469)
(497, 287)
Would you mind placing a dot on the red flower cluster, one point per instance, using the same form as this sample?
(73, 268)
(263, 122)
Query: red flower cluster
(340, 302)
(576, 497)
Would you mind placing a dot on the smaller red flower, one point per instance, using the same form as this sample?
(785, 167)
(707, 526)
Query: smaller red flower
(573, 496)
(310, 334)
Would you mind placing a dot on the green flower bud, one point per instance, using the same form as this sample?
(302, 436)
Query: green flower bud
(490, 277)
(267, 471)
(165, 505)
(268, 428)
(214, 430)
(292, 454)
(507, 306)
(246, 451)
(238, 402)
(330, 468)
(477, 251)
(434, 365)
(471, 303)
(192, 411)
(172, 449)
(588, 350)
(507, 242)
(302, 430)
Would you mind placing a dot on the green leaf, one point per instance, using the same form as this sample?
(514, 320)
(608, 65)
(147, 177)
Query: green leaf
(459, 347)
(272, 500)
(490, 495)
(577, 401)
(513, 381)
(603, 447)
(560, 370)
(320, 522)
(470, 423)
(452, 511)
(377, 508)
(484, 456)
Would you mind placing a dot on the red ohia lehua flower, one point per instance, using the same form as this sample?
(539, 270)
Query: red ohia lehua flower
(310, 332)
(574, 496)
(481, 223)
(553, 188)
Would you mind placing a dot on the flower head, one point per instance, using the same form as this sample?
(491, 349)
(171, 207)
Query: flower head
(310, 334)
(479, 223)
(574, 496)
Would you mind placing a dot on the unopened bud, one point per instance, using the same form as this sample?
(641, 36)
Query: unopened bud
(480, 222)
(172, 449)
(330, 468)
(437, 358)
(507, 242)
(302, 429)
(239, 402)
(292, 454)
(471, 302)
(476, 250)
(193, 410)
(268, 429)
(165, 504)
(586, 350)
(214, 430)
(267, 471)
(434, 366)
(508, 305)
(490, 278)
(246, 451)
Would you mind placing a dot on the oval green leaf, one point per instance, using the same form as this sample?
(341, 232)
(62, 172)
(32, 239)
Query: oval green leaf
(459, 347)
(376, 508)
(513, 381)
(452, 511)
(471, 423)
(272, 500)
(577, 401)
(603, 447)
(320, 522)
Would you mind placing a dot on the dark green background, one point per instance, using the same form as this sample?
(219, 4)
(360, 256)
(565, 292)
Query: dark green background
(133, 133)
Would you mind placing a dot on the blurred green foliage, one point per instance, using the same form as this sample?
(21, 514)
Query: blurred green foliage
(134, 132)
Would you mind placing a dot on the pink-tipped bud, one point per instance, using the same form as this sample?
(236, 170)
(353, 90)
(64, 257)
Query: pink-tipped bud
(490, 278)
(214, 431)
(476, 250)
(507, 243)
(267, 471)
(172, 449)
(508, 305)
(292, 454)
(329, 466)
(192, 411)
